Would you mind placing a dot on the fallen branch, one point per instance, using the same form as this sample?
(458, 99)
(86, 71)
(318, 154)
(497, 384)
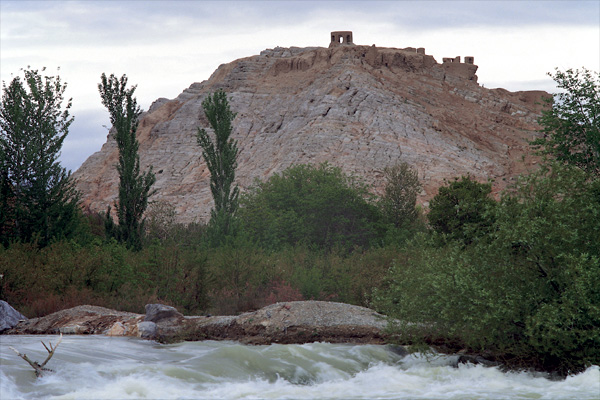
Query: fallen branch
(39, 368)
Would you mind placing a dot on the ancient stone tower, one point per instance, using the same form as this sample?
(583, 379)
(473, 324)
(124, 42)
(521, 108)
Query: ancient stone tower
(341, 38)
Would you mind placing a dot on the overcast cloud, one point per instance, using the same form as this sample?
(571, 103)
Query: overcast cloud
(165, 46)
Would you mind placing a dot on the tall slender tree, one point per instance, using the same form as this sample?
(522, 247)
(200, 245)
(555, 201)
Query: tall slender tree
(134, 185)
(221, 159)
(37, 195)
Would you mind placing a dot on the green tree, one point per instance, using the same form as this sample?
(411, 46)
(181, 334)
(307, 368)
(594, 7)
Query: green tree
(399, 199)
(6, 202)
(37, 195)
(571, 126)
(316, 206)
(134, 186)
(220, 156)
(460, 210)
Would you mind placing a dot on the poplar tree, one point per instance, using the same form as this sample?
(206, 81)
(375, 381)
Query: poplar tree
(134, 185)
(221, 159)
(37, 195)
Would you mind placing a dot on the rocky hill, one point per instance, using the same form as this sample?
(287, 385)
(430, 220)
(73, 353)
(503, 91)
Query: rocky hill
(358, 107)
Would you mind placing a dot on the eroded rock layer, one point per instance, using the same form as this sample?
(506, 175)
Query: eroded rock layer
(358, 107)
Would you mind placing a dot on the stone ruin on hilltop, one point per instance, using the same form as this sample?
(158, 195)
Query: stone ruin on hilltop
(345, 38)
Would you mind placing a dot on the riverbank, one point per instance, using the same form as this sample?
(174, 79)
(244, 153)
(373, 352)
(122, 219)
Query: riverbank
(293, 322)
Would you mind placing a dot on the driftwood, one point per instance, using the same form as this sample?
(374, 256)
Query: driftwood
(39, 368)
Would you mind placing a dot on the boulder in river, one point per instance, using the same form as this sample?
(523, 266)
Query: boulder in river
(9, 317)
(146, 329)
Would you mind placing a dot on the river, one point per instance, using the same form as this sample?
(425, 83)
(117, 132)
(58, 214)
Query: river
(101, 367)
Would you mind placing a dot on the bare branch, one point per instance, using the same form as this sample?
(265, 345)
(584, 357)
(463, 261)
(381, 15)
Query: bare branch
(33, 364)
(51, 351)
(39, 368)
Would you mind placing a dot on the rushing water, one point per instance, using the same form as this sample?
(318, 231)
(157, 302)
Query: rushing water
(99, 367)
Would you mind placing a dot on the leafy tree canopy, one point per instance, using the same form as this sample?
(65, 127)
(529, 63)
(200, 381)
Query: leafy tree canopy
(37, 195)
(527, 294)
(399, 199)
(571, 126)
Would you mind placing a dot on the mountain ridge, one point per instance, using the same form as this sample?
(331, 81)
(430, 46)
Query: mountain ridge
(361, 108)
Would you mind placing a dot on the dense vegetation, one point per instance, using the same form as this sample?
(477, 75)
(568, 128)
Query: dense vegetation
(524, 290)
(571, 126)
(514, 278)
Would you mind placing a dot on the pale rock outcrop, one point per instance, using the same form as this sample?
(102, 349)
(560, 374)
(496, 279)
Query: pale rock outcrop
(118, 329)
(286, 322)
(78, 320)
(361, 108)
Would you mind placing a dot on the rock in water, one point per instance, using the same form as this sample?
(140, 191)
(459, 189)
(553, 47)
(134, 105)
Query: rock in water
(360, 108)
(146, 329)
(9, 317)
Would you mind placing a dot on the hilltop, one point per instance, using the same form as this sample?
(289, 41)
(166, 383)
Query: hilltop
(358, 107)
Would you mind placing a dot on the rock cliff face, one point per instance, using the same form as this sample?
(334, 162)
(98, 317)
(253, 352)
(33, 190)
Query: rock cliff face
(358, 107)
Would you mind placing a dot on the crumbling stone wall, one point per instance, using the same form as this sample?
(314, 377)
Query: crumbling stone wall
(341, 37)
(468, 60)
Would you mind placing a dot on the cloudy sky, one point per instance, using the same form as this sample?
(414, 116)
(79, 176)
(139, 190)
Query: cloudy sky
(165, 46)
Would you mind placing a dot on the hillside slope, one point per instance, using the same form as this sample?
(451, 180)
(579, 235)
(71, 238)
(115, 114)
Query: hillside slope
(358, 107)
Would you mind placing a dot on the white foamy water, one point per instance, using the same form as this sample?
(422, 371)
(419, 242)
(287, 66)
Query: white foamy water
(98, 367)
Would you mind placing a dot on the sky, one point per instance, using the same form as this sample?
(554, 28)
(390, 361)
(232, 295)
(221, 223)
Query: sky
(165, 46)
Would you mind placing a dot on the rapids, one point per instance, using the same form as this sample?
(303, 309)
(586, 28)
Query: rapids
(101, 367)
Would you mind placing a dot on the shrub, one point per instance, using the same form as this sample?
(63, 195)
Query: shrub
(462, 210)
(160, 220)
(317, 206)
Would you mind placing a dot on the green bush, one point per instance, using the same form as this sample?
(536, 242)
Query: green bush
(462, 210)
(316, 206)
